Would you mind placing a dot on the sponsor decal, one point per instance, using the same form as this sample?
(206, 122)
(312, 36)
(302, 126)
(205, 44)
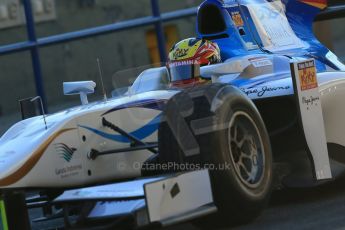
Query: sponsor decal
(237, 18)
(260, 62)
(185, 62)
(69, 171)
(310, 101)
(260, 92)
(65, 151)
(180, 53)
(307, 75)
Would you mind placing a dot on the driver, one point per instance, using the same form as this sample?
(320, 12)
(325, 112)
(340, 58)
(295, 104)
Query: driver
(187, 56)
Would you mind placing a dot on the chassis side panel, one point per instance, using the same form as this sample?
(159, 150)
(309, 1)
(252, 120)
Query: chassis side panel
(294, 166)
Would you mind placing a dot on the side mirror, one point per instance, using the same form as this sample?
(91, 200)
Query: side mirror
(79, 87)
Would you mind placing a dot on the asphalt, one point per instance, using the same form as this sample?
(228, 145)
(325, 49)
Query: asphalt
(312, 208)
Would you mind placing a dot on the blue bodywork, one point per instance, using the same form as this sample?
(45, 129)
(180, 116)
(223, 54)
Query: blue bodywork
(234, 36)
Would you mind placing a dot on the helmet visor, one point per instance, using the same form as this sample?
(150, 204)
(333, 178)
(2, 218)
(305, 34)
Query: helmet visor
(184, 72)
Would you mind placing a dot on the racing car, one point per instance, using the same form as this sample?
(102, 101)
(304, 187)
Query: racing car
(271, 114)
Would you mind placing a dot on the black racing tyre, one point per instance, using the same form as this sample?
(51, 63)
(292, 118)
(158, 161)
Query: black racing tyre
(218, 127)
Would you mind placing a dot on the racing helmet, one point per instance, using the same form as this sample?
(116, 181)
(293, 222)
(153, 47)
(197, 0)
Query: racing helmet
(187, 56)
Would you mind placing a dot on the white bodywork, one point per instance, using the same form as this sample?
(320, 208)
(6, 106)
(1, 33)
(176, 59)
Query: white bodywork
(332, 88)
(32, 156)
(36, 160)
(310, 108)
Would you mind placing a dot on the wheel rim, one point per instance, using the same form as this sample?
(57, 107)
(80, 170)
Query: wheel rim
(246, 149)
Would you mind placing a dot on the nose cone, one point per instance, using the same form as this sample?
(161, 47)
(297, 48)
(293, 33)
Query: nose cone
(12, 157)
(19, 151)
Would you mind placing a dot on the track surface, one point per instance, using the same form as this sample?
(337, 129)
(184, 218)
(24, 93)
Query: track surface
(313, 208)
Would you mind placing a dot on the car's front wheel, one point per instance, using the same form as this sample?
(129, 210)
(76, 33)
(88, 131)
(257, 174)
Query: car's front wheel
(216, 126)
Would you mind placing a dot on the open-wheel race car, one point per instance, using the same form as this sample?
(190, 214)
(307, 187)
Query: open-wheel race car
(270, 115)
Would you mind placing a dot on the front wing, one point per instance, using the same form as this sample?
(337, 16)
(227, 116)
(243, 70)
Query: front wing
(162, 200)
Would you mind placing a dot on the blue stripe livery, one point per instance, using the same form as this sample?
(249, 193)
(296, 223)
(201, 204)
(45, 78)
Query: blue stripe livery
(140, 133)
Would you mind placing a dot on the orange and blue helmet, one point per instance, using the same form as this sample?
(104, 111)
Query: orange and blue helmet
(186, 57)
